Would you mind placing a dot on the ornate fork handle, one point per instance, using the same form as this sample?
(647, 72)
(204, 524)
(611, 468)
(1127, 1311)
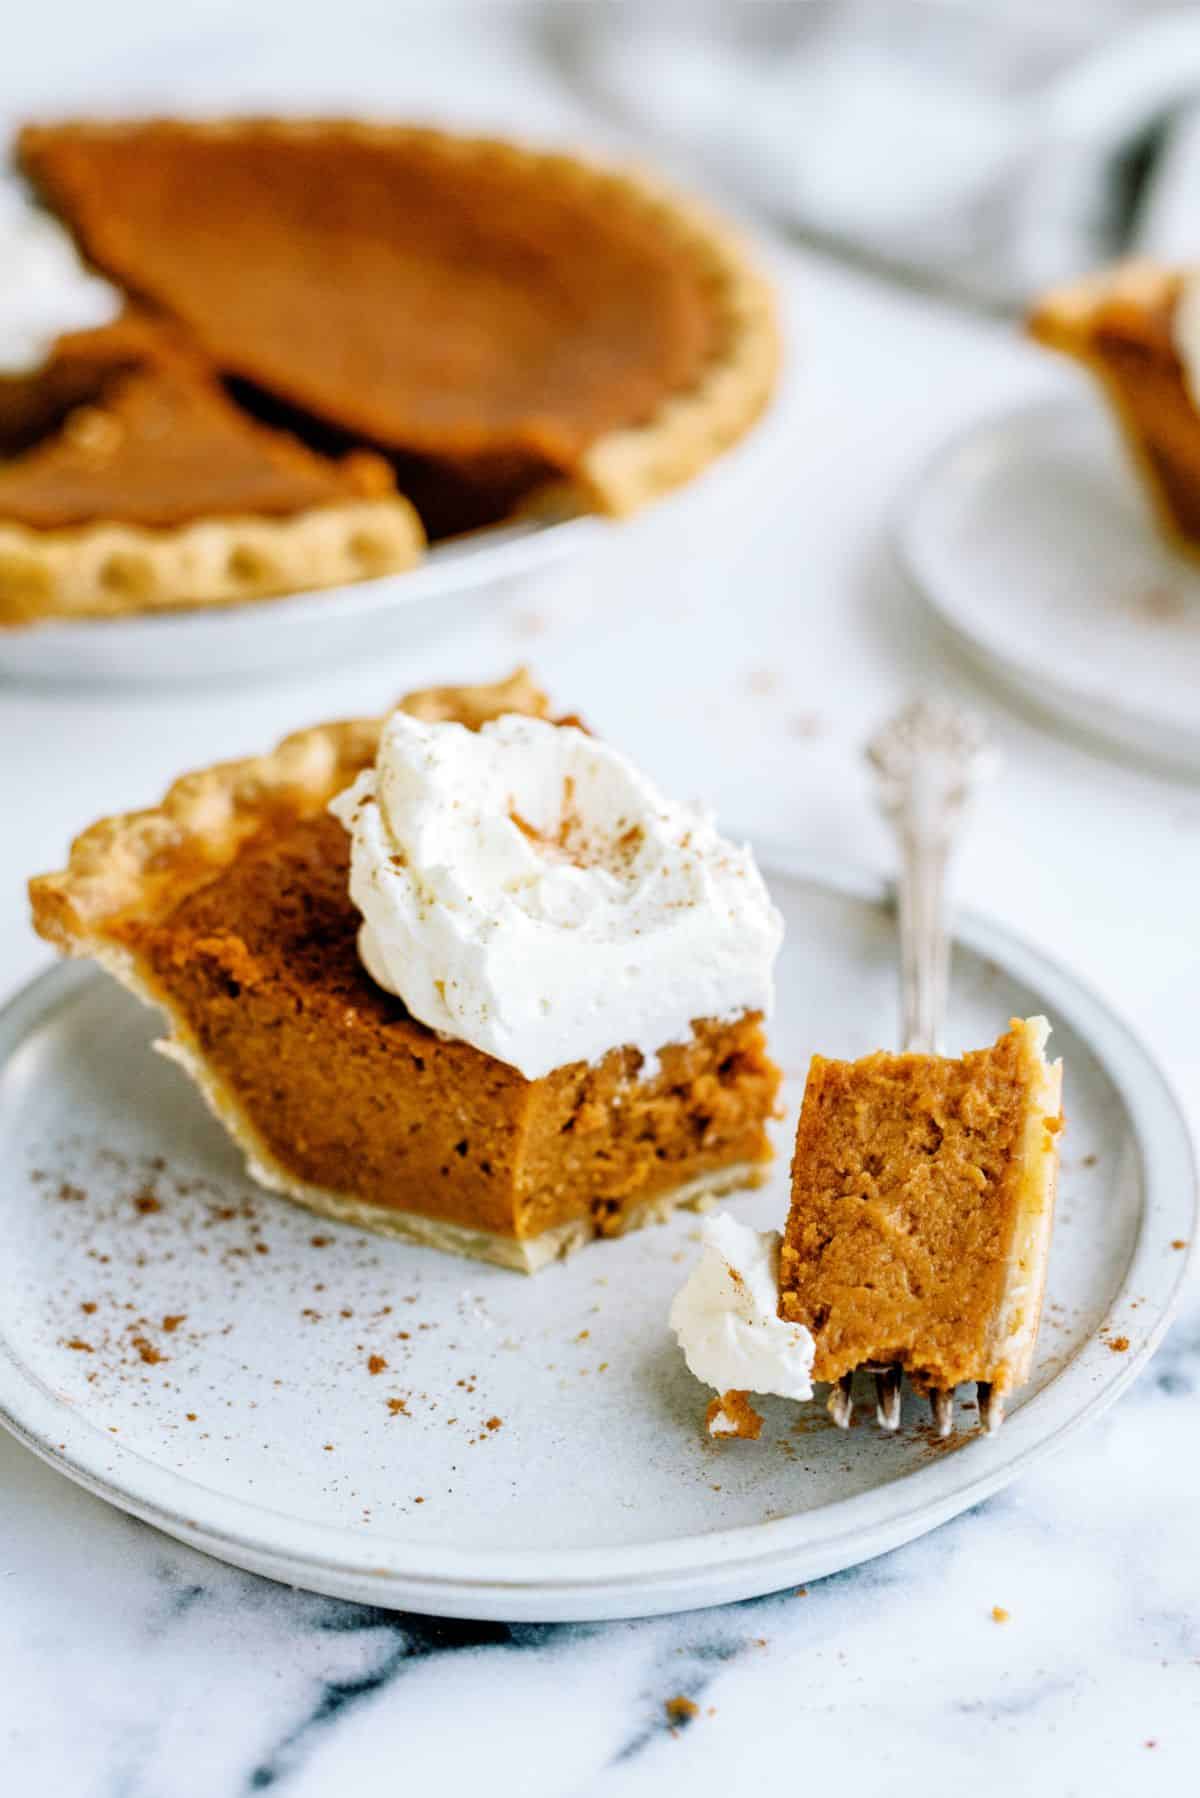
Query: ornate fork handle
(929, 760)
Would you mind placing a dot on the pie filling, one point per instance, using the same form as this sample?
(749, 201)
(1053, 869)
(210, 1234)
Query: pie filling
(331, 1073)
(450, 495)
(439, 296)
(122, 425)
(922, 1200)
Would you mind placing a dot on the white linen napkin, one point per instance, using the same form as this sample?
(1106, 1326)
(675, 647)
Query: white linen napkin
(990, 151)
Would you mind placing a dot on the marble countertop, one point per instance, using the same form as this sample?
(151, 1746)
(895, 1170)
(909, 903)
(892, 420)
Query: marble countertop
(740, 641)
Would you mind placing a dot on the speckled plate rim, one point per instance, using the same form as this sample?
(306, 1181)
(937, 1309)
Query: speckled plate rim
(1091, 714)
(579, 1583)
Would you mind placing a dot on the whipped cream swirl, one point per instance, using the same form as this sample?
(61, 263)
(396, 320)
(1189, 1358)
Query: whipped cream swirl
(726, 1316)
(45, 289)
(525, 889)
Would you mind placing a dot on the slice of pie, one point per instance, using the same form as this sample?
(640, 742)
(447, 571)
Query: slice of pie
(922, 1208)
(130, 482)
(1137, 329)
(229, 907)
(507, 316)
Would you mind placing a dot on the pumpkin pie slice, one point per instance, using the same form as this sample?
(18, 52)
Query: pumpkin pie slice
(229, 908)
(1131, 327)
(922, 1208)
(129, 481)
(501, 313)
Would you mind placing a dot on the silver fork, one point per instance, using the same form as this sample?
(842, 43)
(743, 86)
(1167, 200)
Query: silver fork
(928, 761)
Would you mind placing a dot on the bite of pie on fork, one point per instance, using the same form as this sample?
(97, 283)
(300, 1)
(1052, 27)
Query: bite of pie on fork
(923, 1185)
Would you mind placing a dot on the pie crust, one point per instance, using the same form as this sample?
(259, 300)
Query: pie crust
(141, 864)
(109, 570)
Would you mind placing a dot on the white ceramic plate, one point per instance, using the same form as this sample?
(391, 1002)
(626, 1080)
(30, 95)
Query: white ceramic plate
(262, 1436)
(270, 636)
(1031, 538)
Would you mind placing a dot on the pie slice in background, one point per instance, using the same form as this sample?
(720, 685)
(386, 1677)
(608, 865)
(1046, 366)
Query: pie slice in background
(129, 481)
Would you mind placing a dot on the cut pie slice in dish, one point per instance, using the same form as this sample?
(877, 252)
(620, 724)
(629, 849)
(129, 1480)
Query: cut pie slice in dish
(228, 906)
(1131, 326)
(506, 315)
(130, 482)
(922, 1208)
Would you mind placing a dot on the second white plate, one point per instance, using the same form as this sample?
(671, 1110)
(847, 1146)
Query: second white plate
(1031, 539)
(200, 1353)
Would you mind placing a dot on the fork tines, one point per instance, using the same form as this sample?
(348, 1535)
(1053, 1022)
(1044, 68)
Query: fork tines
(888, 1380)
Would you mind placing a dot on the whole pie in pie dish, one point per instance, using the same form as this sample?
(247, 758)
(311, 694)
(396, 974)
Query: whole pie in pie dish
(1136, 327)
(501, 324)
(128, 480)
(241, 906)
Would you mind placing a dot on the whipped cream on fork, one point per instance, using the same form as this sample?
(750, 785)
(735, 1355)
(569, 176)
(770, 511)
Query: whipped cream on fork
(726, 1316)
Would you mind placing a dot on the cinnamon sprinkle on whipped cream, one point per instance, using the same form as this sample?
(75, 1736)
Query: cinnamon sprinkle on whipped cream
(524, 888)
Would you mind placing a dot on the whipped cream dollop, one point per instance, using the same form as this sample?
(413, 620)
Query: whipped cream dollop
(525, 889)
(45, 289)
(1185, 332)
(726, 1316)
